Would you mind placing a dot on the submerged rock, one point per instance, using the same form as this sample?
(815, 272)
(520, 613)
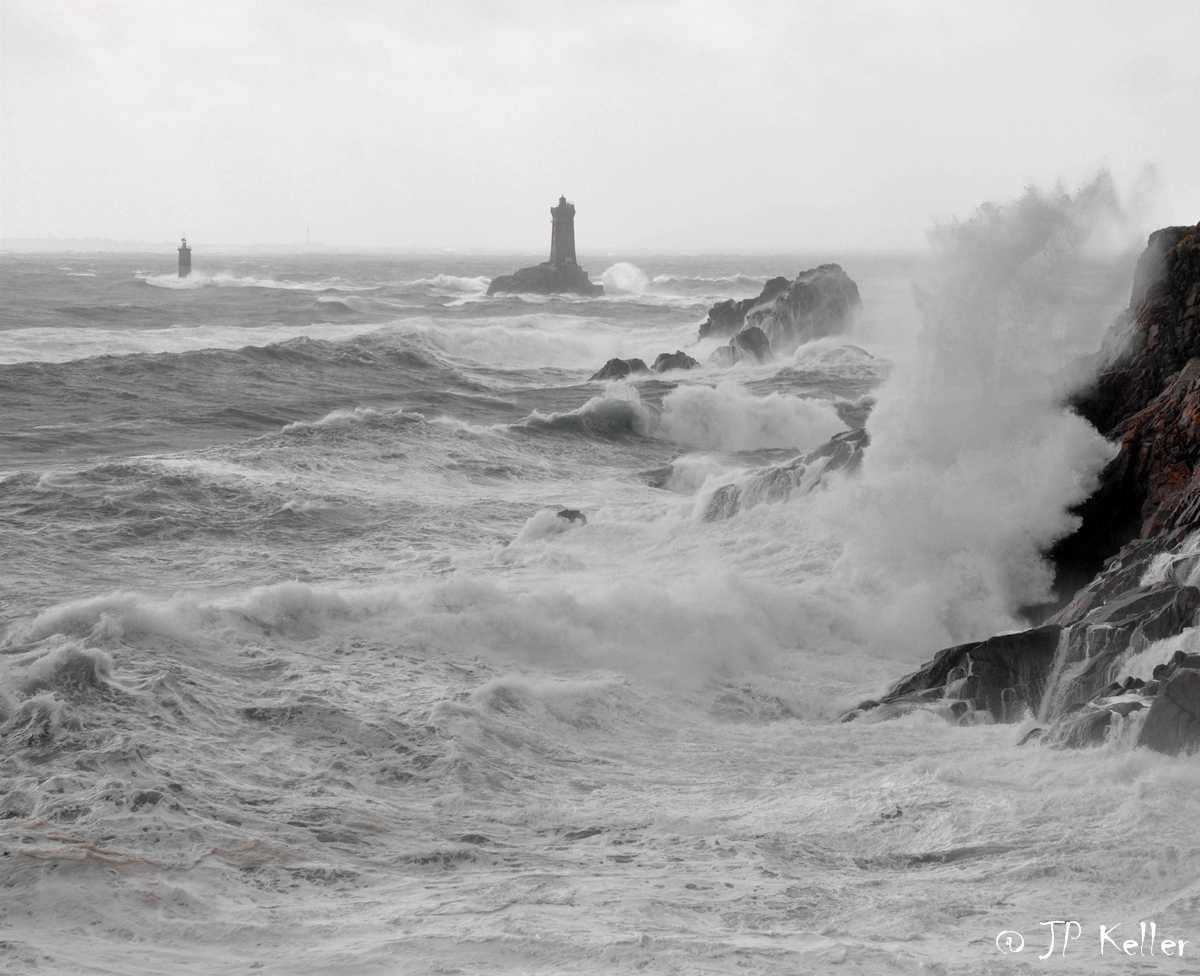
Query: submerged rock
(618, 369)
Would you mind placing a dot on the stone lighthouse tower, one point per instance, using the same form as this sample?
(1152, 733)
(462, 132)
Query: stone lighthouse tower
(562, 234)
(561, 273)
(185, 259)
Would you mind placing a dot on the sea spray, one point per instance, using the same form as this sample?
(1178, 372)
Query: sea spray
(974, 462)
(624, 278)
(728, 417)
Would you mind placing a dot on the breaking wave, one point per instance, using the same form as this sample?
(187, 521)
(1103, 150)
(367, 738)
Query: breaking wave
(223, 279)
(728, 417)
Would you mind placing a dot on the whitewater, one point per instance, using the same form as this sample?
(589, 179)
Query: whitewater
(300, 671)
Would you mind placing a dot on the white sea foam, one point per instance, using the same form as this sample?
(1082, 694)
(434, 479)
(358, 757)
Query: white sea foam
(727, 417)
(226, 279)
(625, 279)
(454, 284)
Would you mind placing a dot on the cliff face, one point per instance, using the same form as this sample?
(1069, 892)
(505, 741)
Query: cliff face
(1129, 575)
(1146, 398)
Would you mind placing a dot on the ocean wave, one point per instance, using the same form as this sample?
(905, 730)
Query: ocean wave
(64, 345)
(738, 278)
(357, 417)
(224, 279)
(728, 417)
(829, 353)
(675, 631)
(453, 284)
(535, 340)
(618, 412)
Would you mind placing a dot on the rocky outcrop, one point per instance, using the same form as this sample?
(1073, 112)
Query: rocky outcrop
(1127, 576)
(1173, 723)
(546, 279)
(679, 360)
(1002, 677)
(1094, 648)
(726, 318)
(821, 301)
(618, 369)
(752, 343)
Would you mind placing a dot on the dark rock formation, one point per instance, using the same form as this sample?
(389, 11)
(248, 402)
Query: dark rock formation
(1173, 723)
(1147, 397)
(617, 369)
(819, 302)
(1094, 647)
(726, 318)
(752, 342)
(679, 360)
(1158, 334)
(546, 279)
(1004, 676)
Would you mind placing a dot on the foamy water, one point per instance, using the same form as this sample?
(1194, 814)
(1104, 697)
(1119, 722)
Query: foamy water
(300, 671)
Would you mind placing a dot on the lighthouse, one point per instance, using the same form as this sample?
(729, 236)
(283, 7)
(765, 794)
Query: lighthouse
(185, 258)
(562, 234)
(561, 273)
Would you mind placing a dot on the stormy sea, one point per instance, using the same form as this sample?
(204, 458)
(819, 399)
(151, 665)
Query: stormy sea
(302, 671)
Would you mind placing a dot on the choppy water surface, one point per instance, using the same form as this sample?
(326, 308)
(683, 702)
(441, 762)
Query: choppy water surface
(300, 672)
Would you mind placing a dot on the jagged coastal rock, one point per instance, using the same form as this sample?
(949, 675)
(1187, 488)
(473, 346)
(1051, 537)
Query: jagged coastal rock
(619, 369)
(1129, 576)
(679, 360)
(561, 274)
(726, 318)
(821, 301)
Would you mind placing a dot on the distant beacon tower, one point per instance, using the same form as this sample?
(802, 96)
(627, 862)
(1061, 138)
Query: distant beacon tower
(562, 234)
(185, 259)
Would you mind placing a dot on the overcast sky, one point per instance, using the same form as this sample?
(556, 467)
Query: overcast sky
(694, 125)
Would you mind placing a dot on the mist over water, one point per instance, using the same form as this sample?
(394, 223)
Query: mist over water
(294, 641)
